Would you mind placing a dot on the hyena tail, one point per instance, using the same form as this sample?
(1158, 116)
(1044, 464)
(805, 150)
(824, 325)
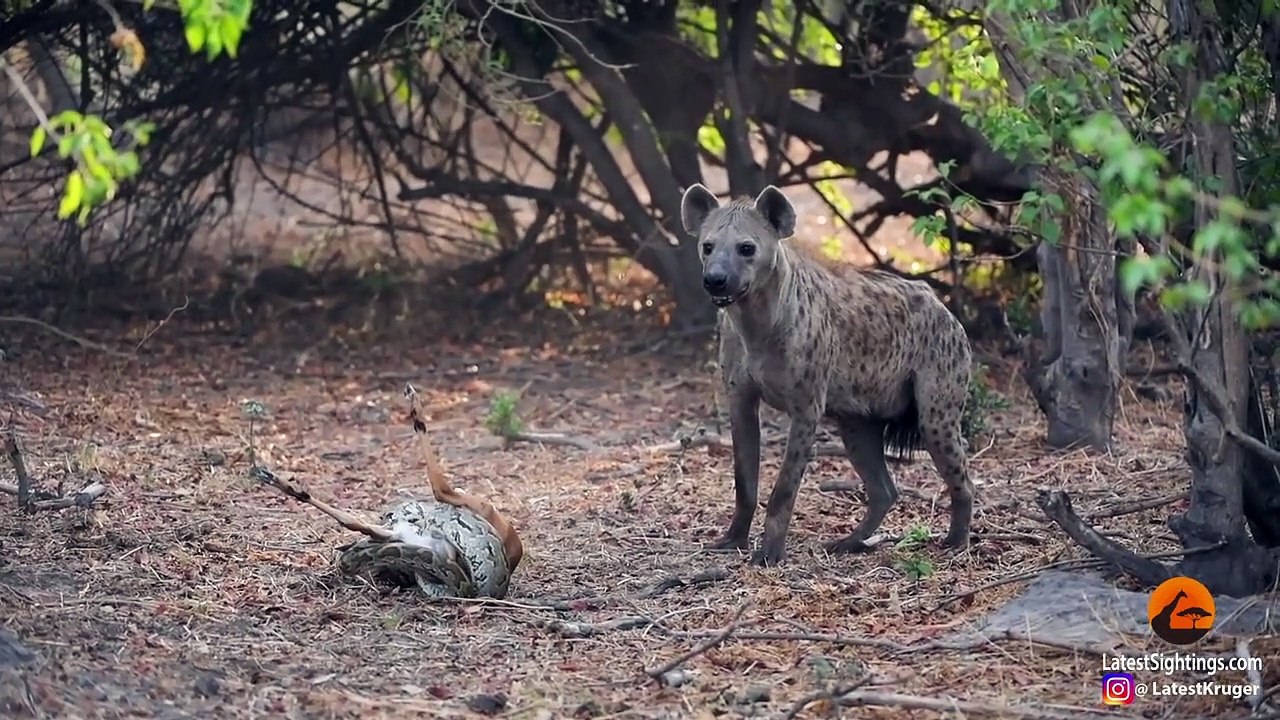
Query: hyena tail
(902, 434)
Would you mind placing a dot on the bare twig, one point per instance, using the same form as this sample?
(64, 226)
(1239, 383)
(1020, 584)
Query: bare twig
(23, 489)
(862, 698)
(1139, 506)
(1056, 505)
(1063, 564)
(82, 342)
(84, 498)
(551, 439)
(832, 696)
(660, 672)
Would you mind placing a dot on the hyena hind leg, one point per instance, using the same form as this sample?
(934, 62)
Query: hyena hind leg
(864, 445)
(947, 450)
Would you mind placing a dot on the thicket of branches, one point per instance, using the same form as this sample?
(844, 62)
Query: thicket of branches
(1130, 143)
(770, 95)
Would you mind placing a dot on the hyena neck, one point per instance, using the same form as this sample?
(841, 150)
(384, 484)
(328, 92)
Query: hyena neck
(768, 308)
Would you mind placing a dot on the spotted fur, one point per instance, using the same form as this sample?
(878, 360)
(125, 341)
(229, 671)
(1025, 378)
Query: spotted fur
(879, 356)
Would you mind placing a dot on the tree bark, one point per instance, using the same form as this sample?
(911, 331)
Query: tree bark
(1086, 318)
(1076, 378)
(1216, 348)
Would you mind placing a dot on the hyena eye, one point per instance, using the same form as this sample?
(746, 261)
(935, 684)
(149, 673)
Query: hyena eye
(746, 249)
(707, 248)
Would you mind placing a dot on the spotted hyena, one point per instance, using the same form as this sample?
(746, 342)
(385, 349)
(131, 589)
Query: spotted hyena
(878, 355)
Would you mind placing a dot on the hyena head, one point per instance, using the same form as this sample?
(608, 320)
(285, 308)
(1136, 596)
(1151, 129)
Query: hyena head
(738, 242)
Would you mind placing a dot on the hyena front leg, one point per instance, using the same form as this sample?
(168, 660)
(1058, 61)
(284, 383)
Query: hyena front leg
(782, 501)
(744, 428)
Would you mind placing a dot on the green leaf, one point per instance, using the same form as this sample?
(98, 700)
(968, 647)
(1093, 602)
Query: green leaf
(72, 196)
(231, 29)
(38, 136)
(196, 35)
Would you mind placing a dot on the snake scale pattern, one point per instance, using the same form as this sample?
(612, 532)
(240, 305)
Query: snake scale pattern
(473, 564)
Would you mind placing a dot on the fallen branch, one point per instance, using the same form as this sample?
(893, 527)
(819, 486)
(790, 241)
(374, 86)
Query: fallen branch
(82, 342)
(831, 696)
(863, 698)
(84, 498)
(1138, 506)
(28, 501)
(543, 438)
(1072, 564)
(660, 673)
(672, 582)
(1056, 505)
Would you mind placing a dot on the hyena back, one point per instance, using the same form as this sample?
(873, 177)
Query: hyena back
(878, 355)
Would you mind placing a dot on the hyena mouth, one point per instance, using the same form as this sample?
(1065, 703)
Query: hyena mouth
(724, 301)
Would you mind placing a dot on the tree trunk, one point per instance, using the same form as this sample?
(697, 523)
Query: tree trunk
(1077, 377)
(1086, 318)
(1218, 352)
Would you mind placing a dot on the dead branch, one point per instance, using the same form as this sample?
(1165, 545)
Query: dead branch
(344, 518)
(543, 438)
(1073, 563)
(23, 490)
(81, 341)
(832, 696)
(659, 673)
(1056, 505)
(84, 498)
(1213, 393)
(863, 698)
(1138, 506)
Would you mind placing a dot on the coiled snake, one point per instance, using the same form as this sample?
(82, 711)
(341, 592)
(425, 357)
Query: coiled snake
(443, 550)
(453, 545)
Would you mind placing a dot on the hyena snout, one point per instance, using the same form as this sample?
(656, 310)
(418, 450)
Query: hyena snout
(723, 285)
(716, 282)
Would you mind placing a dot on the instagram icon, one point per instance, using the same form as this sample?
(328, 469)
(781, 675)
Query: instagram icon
(1117, 689)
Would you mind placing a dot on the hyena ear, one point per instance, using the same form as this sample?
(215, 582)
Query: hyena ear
(695, 206)
(777, 210)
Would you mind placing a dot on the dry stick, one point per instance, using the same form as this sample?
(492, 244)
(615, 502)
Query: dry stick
(734, 623)
(831, 695)
(861, 698)
(1139, 506)
(84, 498)
(23, 491)
(344, 518)
(544, 438)
(1067, 564)
(1056, 505)
(82, 342)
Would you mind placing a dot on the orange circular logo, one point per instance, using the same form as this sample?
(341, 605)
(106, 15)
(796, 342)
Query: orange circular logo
(1180, 611)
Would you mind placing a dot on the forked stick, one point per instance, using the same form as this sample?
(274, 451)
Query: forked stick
(344, 518)
(444, 492)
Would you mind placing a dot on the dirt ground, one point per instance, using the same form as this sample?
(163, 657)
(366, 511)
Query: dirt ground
(190, 592)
